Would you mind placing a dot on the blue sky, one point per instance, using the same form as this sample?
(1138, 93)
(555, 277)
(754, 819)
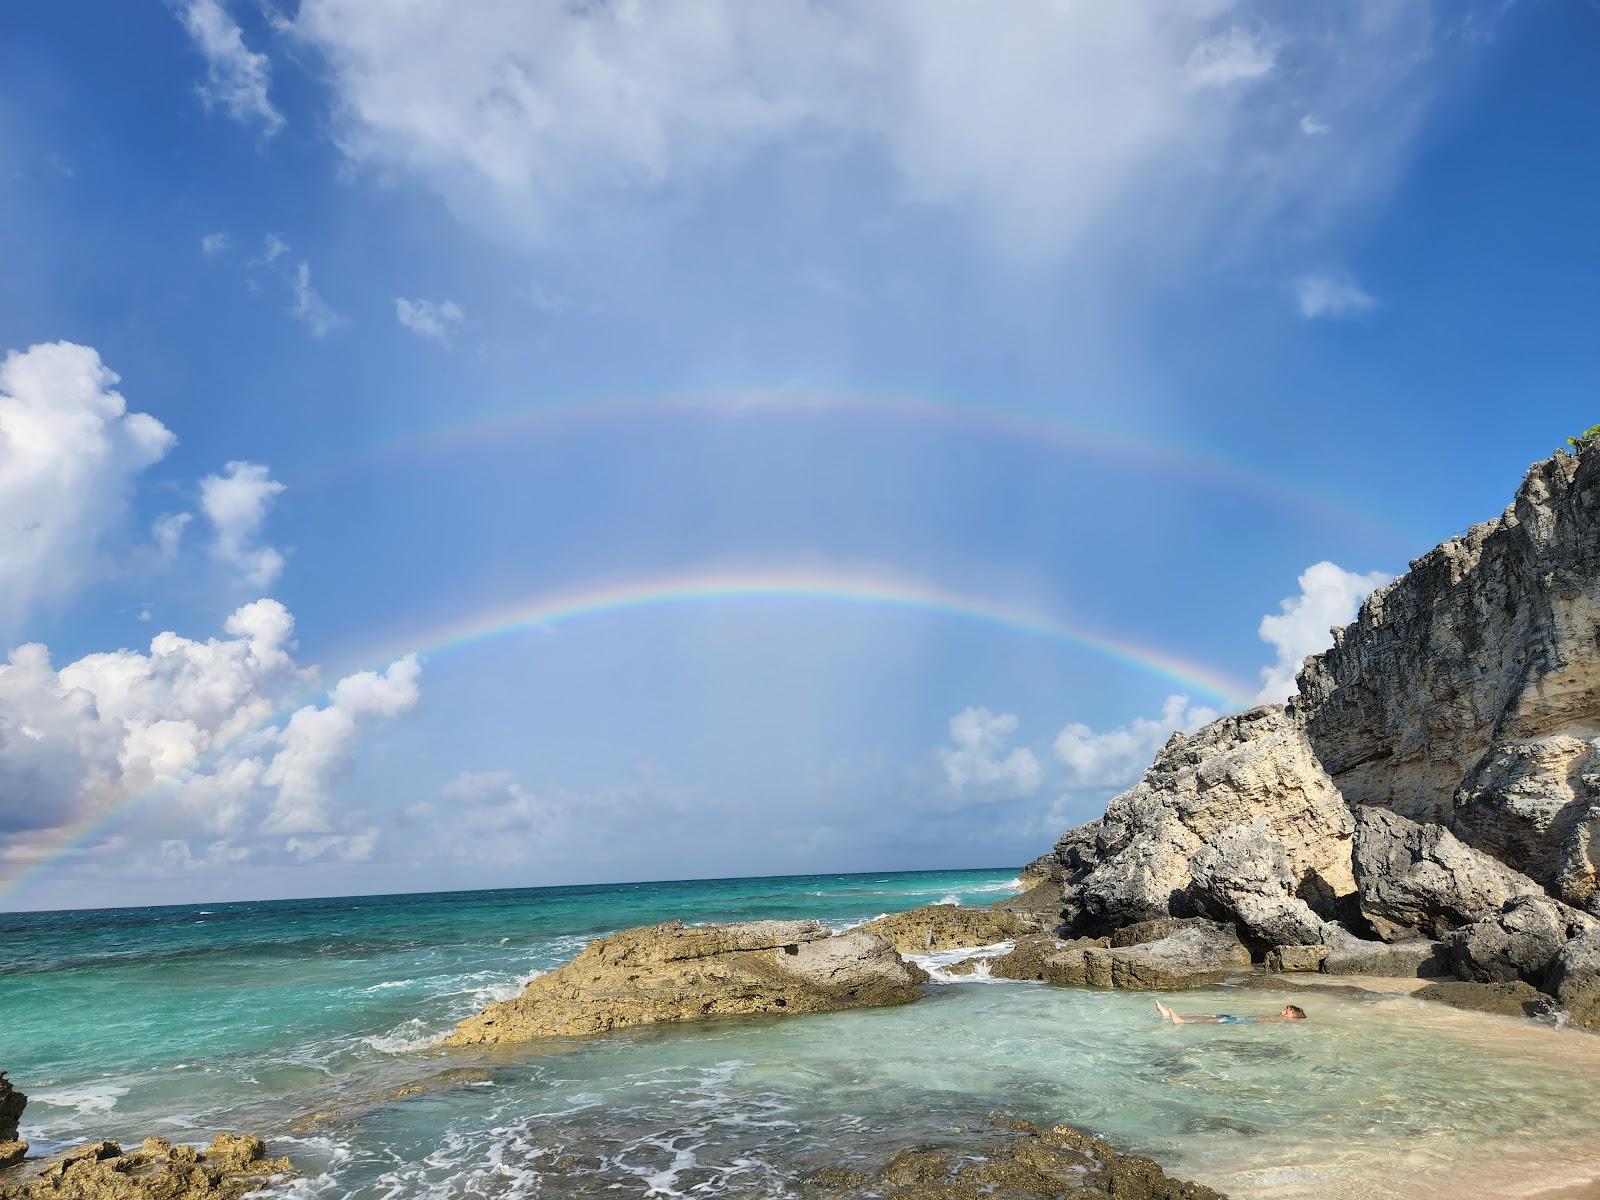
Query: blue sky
(1121, 317)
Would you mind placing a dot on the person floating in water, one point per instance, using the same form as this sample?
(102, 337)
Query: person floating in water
(1290, 1012)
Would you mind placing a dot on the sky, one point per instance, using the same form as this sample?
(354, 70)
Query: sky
(454, 445)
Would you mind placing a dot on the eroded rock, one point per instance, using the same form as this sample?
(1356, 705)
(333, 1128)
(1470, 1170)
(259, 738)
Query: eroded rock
(1574, 979)
(1414, 958)
(938, 927)
(1420, 878)
(227, 1169)
(12, 1102)
(1506, 999)
(1025, 1162)
(674, 972)
(1518, 942)
(1243, 875)
(1135, 863)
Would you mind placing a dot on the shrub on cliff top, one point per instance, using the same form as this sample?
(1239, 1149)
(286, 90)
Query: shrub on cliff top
(1585, 439)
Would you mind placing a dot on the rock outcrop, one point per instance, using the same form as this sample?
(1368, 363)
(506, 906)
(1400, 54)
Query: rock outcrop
(1467, 692)
(937, 927)
(229, 1168)
(1179, 954)
(1024, 1163)
(1243, 874)
(1419, 878)
(1518, 942)
(1134, 864)
(674, 972)
(1574, 980)
(12, 1102)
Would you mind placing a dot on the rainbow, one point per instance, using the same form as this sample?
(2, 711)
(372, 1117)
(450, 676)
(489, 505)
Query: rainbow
(1199, 465)
(711, 588)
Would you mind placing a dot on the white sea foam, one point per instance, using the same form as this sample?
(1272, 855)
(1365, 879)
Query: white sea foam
(409, 1035)
(951, 899)
(937, 965)
(92, 1098)
(848, 925)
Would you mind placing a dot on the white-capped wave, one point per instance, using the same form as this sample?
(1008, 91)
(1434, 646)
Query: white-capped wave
(409, 1035)
(937, 965)
(91, 1098)
(950, 899)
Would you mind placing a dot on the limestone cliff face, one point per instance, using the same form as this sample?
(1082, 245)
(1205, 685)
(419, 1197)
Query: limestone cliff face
(1467, 692)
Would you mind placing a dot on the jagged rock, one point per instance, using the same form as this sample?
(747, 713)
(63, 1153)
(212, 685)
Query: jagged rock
(939, 927)
(1416, 958)
(1467, 692)
(1134, 863)
(1198, 955)
(1044, 869)
(1535, 805)
(1574, 979)
(1296, 958)
(12, 1102)
(1030, 957)
(1025, 1163)
(229, 1168)
(1416, 878)
(11, 1153)
(1518, 942)
(674, 972)
(1514, 999)
(1243, 875)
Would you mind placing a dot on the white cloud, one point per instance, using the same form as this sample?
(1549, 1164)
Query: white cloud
(1313, 126)
(1048, 128)
(168, 533)
(70, 454)
(236, 504)
(309, 306)
(237, 78)
(1114, 759)
(191, 727)
(273, 247)
(1231, 57)
(978, 764)
(213, 244)
(1330, 296)
(427, 318)
(1329, 596)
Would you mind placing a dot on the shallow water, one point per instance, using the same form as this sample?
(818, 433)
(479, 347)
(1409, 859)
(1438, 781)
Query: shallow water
(181, 1021)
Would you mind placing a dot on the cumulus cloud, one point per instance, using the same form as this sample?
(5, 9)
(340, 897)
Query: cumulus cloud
(1115, 758)
(236, 503)
(237, 78)
(427, 318)
(530, 117)
(190, 726)
(70, 454)
(1330, 296)
(1329, 596)
(979, 765)
(310, 307)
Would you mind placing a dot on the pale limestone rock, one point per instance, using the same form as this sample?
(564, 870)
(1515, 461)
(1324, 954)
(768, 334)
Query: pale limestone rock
(674, 972)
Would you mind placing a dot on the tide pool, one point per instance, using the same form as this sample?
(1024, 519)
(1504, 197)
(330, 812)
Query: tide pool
(183, 1021)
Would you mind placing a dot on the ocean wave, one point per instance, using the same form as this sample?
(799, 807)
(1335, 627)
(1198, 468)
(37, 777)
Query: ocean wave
(87, 1100)
(937, 965)
(410, 1035)
(951, 899)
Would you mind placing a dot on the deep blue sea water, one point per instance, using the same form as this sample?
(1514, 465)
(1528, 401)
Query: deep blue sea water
(185, 1020)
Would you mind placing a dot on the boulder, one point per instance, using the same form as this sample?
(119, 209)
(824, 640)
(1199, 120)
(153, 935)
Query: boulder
(1574, 979)
(938, 927)
(674, 972)
(1420, 878)
(1518, 942)
(229, 1168)
(1416, 958)
(1198, 955)
(1243, 875)
(1134, 863)
(1030, 957)
(1515, 999)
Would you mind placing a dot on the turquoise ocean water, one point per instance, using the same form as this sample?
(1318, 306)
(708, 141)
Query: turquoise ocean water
(183, 1021)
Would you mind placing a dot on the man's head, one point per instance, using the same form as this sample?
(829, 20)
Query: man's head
(1293, 1012)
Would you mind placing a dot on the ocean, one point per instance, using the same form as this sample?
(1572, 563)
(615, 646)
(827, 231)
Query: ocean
(313, 1023)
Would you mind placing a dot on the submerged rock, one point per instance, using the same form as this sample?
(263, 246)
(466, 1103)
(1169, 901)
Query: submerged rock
(938, 927)
(230, 1167)
(1027, 1163)
(1134, 864)
(674, 972)
(1515, 999)
(1420, 878)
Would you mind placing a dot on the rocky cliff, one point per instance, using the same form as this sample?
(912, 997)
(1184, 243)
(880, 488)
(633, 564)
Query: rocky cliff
(1429, 800)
